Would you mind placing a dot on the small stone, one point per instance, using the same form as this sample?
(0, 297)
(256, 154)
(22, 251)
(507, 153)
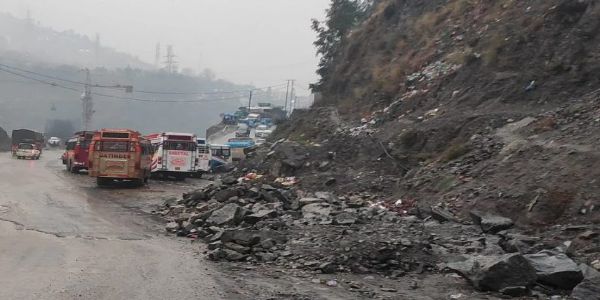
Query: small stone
(332, 283)
(172, 226)
(328, 268)
(389, 290)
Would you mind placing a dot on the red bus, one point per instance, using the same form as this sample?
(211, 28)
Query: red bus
(76, 154)
(120, 154)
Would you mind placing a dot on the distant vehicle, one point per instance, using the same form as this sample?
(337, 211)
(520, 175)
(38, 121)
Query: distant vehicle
(76, 156)
(241, 142)
(175, 154)
(54, 141)
(262, 131)
(229, 119)
(243, 130)
(253, 120)
(26, 136)
(120, 154)
(203, 157)
(266, 121)
(220, 157)
(27, 151)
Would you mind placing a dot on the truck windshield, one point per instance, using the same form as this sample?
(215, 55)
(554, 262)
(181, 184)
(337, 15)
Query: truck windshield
(26, 146)
(182, 146)
(114, 146)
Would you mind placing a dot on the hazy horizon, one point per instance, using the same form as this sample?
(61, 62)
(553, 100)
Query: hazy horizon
(261, 42)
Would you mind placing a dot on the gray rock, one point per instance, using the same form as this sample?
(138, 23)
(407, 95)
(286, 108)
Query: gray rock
(228, 254)
(230, 214)
(555, 269)
(261, 214)
(588, 272)
(229, 180)
(495, 273)
(345, 218)
(328, 268)
(329, 197)
(443, 215)
(224, 195)
(588, 289)
(237, 248)
(490, 223)
(306, 201)
(247, 237)
(215, 245)
(172, 226)
(268, 243)
(316, 211)
(265, 256)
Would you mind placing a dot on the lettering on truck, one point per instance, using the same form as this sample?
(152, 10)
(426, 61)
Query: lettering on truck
(115, 155)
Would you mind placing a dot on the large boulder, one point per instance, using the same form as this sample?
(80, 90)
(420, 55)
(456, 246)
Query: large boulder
(555, 269)
(490, 223)
(503, 273)
(230, 214)
(588, 289)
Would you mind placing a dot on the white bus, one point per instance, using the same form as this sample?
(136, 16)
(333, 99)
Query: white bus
(175, 154)
(203, 156)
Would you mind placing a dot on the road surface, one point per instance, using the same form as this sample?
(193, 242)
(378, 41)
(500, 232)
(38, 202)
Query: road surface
(61, 237)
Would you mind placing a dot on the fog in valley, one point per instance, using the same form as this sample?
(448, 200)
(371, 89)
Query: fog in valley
(153, 65)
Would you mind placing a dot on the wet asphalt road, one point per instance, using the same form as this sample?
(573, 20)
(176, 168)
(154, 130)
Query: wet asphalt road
(61, 237)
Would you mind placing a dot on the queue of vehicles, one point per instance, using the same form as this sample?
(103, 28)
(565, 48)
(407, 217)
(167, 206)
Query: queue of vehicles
(127, 155)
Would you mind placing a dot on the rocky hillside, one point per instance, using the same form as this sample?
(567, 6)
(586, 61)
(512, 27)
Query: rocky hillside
(467, 104)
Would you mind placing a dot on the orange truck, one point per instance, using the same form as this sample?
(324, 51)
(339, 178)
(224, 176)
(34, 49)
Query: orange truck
(120, 155)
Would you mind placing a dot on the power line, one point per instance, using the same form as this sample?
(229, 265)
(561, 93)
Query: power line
(54, 84)
(140, 91)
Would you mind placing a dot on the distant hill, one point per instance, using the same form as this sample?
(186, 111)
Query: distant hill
(24, 39)
(26, 103)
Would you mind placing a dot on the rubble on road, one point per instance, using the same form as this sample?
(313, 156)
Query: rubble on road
(262, 221)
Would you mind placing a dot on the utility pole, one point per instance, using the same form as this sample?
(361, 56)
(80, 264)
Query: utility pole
(170, 63)
(292, 96)
(87, 102)
(250, 101)
(287, 92)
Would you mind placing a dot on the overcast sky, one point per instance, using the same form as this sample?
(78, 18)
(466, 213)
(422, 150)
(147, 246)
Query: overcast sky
(262, 42)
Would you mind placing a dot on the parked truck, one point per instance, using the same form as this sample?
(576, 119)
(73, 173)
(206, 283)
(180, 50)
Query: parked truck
(20, 136)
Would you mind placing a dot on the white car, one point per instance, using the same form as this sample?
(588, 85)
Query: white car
(25, 150)
(262, 131)
(54, 141)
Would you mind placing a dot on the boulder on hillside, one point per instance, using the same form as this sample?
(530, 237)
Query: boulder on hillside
(490, 223)
(555, 269)
(504, 273)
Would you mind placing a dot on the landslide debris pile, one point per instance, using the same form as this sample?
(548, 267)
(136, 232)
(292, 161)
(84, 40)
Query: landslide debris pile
(260, 220)
(4, 140)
